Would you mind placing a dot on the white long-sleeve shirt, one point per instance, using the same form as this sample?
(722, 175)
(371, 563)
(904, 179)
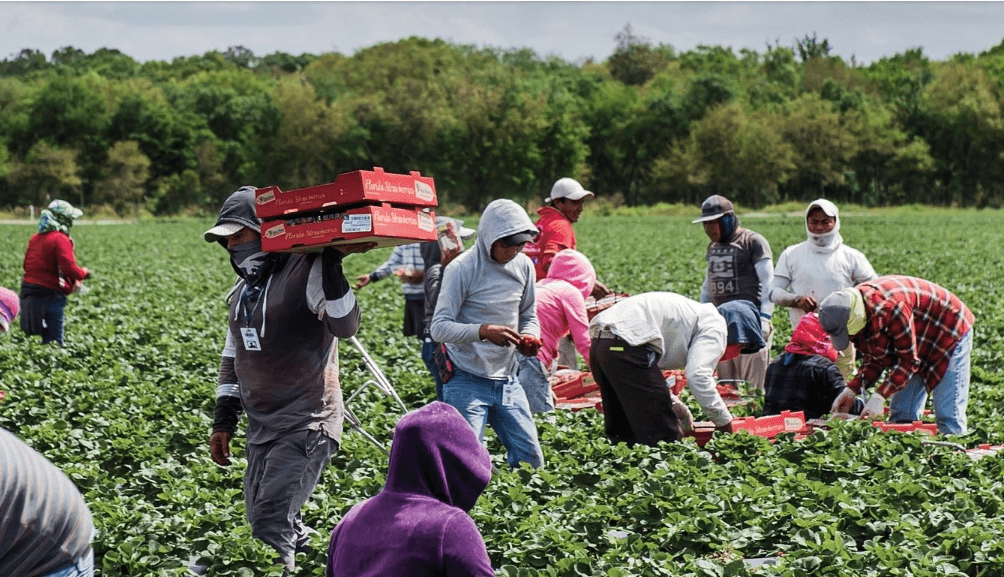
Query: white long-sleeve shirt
(685, 333)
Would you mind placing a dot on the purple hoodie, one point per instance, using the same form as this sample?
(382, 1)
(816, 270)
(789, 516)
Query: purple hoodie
(418, 525)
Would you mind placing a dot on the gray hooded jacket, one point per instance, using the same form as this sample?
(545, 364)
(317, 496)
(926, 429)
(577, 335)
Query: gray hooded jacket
(477, 290)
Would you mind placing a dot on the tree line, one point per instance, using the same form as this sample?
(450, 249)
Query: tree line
(649, 124)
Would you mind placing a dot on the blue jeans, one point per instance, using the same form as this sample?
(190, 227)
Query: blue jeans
(950, 396)
(52, 321)
(535, 384)
(502, 404)
(82, 567)
(428, 347)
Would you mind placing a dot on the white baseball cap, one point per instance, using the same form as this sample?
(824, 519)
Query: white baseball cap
(567, 188)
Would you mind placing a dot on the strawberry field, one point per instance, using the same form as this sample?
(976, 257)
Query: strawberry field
(126, 408)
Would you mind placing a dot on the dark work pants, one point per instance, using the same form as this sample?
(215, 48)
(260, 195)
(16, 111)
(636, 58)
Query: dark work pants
(637, 407)
(414, 316)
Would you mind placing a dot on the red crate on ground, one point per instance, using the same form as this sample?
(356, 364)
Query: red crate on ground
(577, 404)
(772, 425)
(349, 189)
(925, 428)
(568, 385)
(703, 430)
(577, 390)
(596, 306)
(586, 386)
(384, 225)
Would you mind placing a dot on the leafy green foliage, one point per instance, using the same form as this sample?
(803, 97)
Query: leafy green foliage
(125, 410)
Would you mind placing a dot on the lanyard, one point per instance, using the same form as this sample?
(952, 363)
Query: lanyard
(248, 314)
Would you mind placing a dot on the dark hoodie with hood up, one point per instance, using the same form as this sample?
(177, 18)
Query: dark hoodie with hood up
(418, 525)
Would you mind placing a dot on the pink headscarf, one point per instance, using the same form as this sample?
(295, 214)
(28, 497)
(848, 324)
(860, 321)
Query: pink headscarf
(8, 307)
(809, 338)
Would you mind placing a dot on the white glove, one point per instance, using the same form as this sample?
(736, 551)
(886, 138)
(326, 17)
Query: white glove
(844, 401)
(683, 414)
(874, 406)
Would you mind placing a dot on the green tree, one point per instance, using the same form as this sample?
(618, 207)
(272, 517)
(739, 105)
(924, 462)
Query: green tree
(810, 47)
(313, 140)
(67, 113)
(67, 56)
(26, 62)
(241, 57)
(634, 61)
(109, 63)
(965, 129)
(282, 62)
(823, 147)
(239, 110)
(164, 135)
(47, 172)
(728, 152)
(125, 175)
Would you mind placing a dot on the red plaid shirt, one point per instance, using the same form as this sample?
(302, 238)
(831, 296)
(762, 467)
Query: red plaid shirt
(913, 326)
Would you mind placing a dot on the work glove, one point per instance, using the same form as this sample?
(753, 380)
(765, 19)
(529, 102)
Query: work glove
(874, 406)
(844, 401)
(683, 414)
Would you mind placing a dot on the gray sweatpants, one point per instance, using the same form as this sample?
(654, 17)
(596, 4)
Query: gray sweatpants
(280, 477)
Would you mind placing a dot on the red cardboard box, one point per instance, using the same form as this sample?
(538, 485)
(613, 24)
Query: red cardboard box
(771, 426)
(350, 189)
(595, 307)
(925, 428)
(384, 225)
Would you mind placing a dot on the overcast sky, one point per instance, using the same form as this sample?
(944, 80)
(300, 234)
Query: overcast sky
(572, 30)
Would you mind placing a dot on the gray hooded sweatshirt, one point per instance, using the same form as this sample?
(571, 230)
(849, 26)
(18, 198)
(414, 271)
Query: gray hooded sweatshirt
(477, 290)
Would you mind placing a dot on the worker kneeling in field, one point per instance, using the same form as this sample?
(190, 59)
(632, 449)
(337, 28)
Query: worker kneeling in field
(918, 330)
(805, 378)
(635, 339)
(484, 313)
(280, 365)
(561, 310)
(418, 525)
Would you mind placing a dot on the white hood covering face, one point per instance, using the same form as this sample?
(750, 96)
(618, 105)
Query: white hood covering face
(831, 241)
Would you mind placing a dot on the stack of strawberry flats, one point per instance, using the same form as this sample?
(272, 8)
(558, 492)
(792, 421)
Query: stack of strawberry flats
(359, 207)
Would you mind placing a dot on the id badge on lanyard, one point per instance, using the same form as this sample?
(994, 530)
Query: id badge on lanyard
(249, 334)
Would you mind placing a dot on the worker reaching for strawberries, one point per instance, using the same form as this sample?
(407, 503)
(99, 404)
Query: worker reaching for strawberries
(635, 339)
(485, 312)
(918, 330)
